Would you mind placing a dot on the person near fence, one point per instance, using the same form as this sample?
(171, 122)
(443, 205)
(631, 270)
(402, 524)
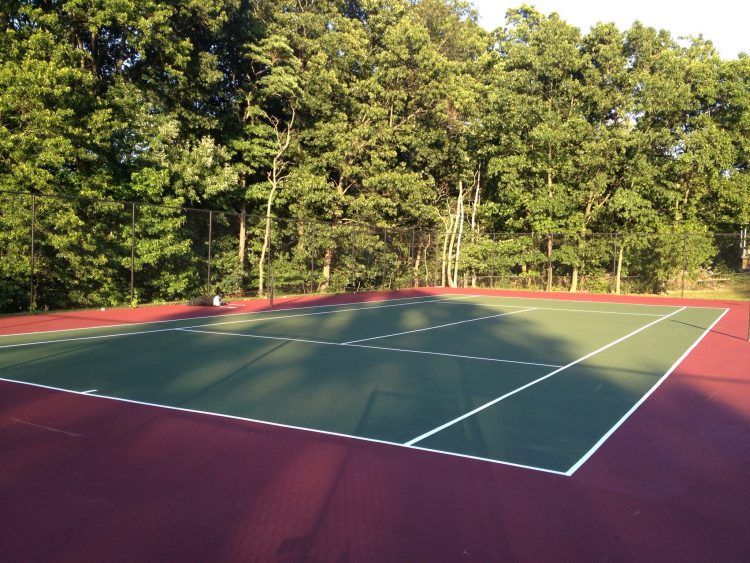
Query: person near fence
(218, 298)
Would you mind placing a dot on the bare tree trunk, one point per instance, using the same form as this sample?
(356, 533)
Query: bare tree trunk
(266, 243)
(451, 246)
(444, 261)
(574, 279)
(276, 177)
(474, 207)
(243, 235)
(327, 260)
(417, 261)
(618, 273)
(460, 214)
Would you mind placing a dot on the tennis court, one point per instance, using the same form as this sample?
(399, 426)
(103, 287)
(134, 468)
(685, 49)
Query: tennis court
(536, 383)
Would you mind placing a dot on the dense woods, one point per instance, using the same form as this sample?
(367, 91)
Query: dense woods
(399, 141)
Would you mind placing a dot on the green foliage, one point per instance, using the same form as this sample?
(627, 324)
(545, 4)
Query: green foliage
(395, 103)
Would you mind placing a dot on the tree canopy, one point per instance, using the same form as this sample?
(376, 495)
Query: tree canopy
(395, 114)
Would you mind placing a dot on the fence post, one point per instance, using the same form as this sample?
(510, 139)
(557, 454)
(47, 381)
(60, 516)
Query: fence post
(614, 263)
(493, 260)
(132, 257)
(210, 243)
(313, 241)
(684, 264)
(550, 247)
(32, 297)
(383, 258)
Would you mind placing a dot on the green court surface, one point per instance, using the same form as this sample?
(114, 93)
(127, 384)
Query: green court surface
(538, 383)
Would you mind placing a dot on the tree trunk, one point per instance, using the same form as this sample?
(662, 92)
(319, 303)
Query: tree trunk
(266, 243)
(460, 213)
(242, 246)
(327, 260)
(275, 176)
(618, 273)
(444, 260)
(475, 206)
(549, 262)
(417, 259)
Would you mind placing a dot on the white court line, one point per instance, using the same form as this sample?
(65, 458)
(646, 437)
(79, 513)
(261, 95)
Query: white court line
(306, 341)
(246, 313)
(97, 337)
(558, 309)
(287, 426)
(89, 391)
(50, 428)
(550, 374)
(620, 422)
(246, 320)
(437, 326)
(552, 297)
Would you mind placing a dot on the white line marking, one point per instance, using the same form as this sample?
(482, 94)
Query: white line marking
(552, 297)
(240, 321)
(262, 337)
(453, 355)
(306, 341)
(620, 422)
(97, 337)
(117, 325)
(89, 391)
(526, 386)
(50, 428)
(558, 309)
(277, 317)
(288, 426)
(437, 326)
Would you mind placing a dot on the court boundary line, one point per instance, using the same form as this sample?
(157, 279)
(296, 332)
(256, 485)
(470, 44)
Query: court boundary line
(437, 326)
(227, 315)
(282, 308)
(599, 443)
(282, 425)
(539, 380)
(545, 298)
(367, 346)
(237, 321)
(568, 473)
(559, 309)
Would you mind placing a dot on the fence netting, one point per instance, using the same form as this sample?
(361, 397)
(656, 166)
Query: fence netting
(63, 253)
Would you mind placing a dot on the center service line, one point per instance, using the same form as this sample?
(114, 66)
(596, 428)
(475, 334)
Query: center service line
(437, 326)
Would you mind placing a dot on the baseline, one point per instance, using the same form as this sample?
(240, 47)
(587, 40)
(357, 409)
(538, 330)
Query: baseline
(281, 425)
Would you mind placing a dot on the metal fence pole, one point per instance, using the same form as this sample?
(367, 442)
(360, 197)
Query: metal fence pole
(550, 247)
(32, 296)
(312, 257)
(132, 257)
(614, 263)
(210, 243)
(684, 265)
(493, 261)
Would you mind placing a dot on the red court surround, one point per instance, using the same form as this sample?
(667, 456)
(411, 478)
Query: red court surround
(89, 479)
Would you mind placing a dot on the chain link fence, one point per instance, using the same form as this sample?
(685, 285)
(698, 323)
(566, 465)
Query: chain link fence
(63, 253)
